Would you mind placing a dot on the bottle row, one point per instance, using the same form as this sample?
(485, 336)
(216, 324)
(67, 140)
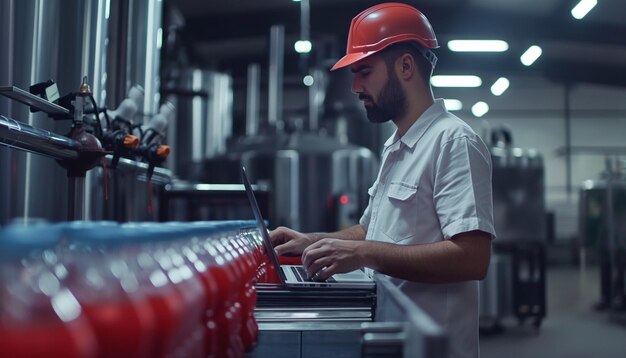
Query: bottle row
(102, 289)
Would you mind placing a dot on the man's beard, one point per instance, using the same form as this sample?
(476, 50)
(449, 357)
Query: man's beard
(391, 102)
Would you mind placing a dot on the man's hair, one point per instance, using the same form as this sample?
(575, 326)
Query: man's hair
(391, 53)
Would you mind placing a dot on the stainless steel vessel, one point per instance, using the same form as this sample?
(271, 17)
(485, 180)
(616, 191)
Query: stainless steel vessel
(317, 183)
(63, 41)
(204, 118)
(518, 194)
(43, 40)
(125, 193)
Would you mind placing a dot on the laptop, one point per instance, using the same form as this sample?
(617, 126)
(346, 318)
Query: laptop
(294, 276)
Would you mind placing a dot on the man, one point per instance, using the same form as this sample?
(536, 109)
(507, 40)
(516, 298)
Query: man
(429, 222)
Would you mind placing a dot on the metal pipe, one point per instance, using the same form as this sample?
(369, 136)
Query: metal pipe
(159, 176)
(316, 99)
(143, 51)
(610, 222)
(275, 91)
(25, 137)
(568, 140)
(252, 99)
(305, 20)
(76, 203)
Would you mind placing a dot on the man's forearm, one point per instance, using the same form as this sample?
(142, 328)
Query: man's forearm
(355, 232)
(454, 260)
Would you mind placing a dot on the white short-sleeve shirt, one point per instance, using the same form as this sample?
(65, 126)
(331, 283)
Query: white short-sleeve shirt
(434, 183)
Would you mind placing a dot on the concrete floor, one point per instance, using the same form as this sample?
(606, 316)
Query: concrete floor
(571, 329)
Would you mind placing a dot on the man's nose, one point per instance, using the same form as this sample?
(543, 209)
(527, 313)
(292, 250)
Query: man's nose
(356, 86)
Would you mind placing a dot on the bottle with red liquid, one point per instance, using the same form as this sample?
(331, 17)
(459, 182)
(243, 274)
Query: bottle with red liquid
(39, 317)
(108, 291)
(188, 288)
(226, 314)
(246, 295)
(190, 249)
(161, 295)
(245, 250)
(243, 306)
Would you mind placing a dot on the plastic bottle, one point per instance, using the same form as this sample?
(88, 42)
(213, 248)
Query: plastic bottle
(38, 315)
(249, 330)
(211, 289)
(108, 291)
(187, 289)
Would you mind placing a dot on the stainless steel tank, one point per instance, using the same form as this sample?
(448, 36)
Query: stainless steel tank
(204, 118)
(136, 44)
(312, 174)
(59, 40)
(518, 194)
(124, 194)
(603, 229)
(144, 39)
(64, 40)
(317, 183)
(595, 228)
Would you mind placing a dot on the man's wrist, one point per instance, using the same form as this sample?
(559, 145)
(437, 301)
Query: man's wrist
(362, 252)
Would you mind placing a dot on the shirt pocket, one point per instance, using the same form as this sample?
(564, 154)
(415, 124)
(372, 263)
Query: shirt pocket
(400, 211)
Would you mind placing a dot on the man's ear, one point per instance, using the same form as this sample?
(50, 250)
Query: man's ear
(407, 66)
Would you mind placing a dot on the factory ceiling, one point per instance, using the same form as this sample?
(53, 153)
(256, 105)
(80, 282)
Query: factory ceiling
(228, 35)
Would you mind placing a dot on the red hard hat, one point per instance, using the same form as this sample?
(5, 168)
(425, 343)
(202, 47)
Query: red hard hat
(382, 25)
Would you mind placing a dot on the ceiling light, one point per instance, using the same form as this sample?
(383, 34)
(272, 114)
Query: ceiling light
(478, 45)
(308, 80)
(480, 108)
(453, 104)
(500, 86)
(582, 8)
(303, 46)
(159, 38)
(456, 81)
(531, 55)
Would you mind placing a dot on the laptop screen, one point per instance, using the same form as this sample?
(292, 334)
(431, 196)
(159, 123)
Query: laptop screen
(267, 243)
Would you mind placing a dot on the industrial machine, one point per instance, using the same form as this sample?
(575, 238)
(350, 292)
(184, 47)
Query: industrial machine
(317, 183)
(65, 41)
(603, 231)
(516, 282)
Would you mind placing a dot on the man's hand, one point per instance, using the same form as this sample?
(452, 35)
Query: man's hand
(289, 242)
(330, 256)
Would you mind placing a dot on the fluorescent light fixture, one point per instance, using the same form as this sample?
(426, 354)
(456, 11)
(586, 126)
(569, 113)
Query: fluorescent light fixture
(107, 9)
(531, 55)
(480, 109)
(453, 104)
(159, 38)
(478, 45)
(500, 86)
(308, 80)
(582, 8)
(303, 46)
(456, 81)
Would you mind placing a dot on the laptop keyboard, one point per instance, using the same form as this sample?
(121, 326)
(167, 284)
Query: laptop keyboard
(301, 274)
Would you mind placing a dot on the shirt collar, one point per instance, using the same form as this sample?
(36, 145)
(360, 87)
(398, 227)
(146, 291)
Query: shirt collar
(419, 127)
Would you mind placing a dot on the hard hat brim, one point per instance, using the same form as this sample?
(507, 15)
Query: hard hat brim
(351, 58)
